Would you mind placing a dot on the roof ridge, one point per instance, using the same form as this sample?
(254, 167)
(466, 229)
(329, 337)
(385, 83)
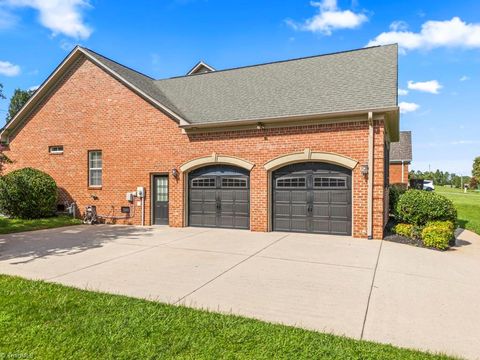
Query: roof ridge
(280, 61)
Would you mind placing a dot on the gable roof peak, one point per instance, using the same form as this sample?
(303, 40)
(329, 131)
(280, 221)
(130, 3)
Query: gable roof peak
(200, 68)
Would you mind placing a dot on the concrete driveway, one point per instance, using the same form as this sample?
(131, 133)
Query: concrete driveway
(372, 290)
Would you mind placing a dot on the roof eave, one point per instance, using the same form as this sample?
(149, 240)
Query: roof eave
(280, 119)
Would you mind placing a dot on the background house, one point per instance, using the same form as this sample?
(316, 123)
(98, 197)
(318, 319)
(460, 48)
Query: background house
(401, 158)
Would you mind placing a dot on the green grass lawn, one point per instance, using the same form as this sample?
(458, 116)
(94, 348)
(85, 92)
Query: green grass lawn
(468, 206)
(45, 321)
(18, 225)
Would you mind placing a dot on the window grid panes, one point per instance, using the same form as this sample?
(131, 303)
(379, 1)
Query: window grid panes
(294, 182)
(58, 149)
(162, 189)
(329, 182)
(95, 168)
(234, 183)
(203, 183)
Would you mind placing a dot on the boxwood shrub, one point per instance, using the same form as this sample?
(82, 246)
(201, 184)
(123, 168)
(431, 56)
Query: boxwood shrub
(395, 191)
(28, 194)
(437, 234)
(403, 229)
(418, 207)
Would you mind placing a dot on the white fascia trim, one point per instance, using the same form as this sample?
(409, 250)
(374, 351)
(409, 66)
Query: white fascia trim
(199, 64)
(288, 117)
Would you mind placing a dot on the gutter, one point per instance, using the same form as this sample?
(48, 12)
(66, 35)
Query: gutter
(277, 119)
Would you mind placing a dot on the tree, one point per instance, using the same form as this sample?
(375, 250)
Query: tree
(476, 168)
(473, 183)
(18, 99)
(1, 92)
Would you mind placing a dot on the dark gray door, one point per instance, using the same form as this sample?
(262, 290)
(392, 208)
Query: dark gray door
(312, 197)
(160, 200)
(219, 196)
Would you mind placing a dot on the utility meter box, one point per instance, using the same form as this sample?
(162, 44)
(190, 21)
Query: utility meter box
(129, 197)
(140, 192)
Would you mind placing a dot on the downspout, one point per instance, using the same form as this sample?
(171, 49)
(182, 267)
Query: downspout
(403, 170)
(370, 177)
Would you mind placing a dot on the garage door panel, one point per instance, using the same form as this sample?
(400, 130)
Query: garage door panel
(219, 197)
(342, 197)
(298, 196)
(340, 227)
(298, 210)
(318, 201)
(321, 226)
(321, 210)
(282, 209)
(300, 225)
(339, 211)
(321, 197)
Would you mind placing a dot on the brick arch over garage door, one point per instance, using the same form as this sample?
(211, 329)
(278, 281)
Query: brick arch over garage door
(217, 191)
(318, 198)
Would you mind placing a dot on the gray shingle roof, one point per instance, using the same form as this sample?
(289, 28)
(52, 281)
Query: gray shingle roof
(139, 80)
(402, 150)
(346, 81)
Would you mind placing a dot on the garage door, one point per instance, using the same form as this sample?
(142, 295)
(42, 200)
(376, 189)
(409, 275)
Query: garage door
(312, 197)
(219, 197)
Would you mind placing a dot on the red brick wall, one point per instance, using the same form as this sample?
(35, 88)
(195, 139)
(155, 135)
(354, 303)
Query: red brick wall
(90, 110)
(396, 173)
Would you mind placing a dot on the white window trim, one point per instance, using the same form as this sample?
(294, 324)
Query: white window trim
(90, 169)
(55, 152)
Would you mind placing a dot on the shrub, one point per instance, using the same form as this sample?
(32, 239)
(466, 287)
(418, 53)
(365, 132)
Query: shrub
(418, 207)
(437, 234)
(28, 194)
(403, 229)
(395, 191)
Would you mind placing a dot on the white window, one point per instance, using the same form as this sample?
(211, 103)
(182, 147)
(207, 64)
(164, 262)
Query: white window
(57, 149)
(95, 168)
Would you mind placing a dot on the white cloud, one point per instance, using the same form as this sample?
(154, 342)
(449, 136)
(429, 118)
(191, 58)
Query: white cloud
(464, 78)
(406, 107)
(432, 86)
(433, 34)
(398, 25)
(9, 69)
(33, 88)
(402, 92)
(7, 20)
(329, 18)
(60, 16)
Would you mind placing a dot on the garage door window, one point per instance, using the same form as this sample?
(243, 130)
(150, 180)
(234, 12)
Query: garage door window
(292, 182)
(234, 183)
(330, 182)
(203, 183)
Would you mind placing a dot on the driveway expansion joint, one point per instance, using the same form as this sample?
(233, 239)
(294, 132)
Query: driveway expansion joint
(371, 289)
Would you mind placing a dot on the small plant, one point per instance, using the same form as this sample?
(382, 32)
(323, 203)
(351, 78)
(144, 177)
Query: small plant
(419, 207)
(403, 229)
(28, 194)
(437, 234)
(395, 191)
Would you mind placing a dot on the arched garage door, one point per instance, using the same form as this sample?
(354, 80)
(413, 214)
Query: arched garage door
(219, 196)
(312, 197)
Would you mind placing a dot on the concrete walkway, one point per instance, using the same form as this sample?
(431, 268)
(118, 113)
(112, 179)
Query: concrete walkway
(371, 290)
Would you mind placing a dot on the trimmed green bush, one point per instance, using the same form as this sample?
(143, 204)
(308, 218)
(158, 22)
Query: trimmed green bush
(403, 229)
(437, 234)
(395, 191)
(28, 194)
(418, 207)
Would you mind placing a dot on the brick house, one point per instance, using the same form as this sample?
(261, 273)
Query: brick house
(400, 158)
(295, 145)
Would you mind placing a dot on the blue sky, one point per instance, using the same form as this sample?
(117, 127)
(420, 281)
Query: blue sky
(439, 64)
